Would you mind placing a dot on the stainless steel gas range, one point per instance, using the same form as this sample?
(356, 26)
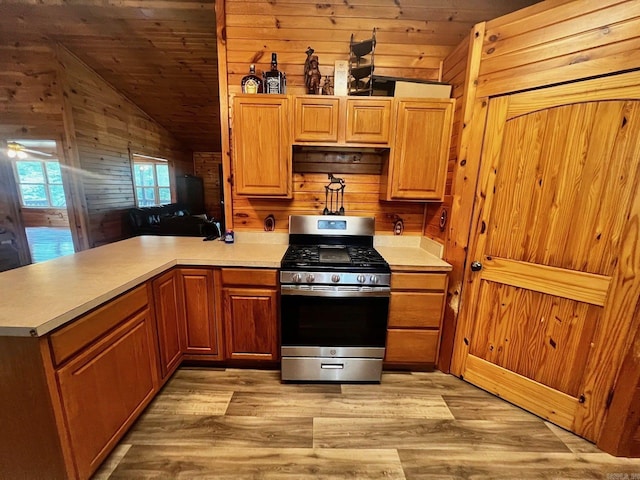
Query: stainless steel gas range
(335, 300)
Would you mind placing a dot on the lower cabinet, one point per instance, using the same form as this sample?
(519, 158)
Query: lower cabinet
(415, 315)
(251, 313)
(201, 325)
(105, 387)
(166, 299)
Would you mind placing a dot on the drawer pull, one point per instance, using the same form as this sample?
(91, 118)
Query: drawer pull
(332, 366)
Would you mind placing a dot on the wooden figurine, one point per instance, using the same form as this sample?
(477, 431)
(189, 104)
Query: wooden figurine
(312, 74)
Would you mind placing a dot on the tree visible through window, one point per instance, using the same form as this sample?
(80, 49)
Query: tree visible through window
(40, 183)
(152, 183)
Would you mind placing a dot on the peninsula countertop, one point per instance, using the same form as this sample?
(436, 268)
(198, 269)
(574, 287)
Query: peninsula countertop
(41, 297)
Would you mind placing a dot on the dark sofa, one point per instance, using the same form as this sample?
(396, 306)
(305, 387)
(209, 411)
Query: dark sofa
(170, 219)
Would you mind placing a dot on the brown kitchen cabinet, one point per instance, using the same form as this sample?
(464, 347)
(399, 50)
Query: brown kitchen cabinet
(201, 326)
(167, 302)
(415, 315)
(261, 152)
(368, 120)
(342, 121)
(251, 313)
(417, 166)
(106, 375)
(315, 118)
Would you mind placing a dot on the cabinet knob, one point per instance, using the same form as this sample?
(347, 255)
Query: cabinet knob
(476, 266)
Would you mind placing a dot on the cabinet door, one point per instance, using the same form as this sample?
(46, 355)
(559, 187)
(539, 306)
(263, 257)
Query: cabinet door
(167, 309)
(251, 323)
(417, 167)
(316, 119)
(261, 146)
(104, 388)
(368, 120)
(201, 328)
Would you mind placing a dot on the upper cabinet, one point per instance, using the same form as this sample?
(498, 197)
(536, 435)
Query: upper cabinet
(315, 118)
(261, 146)
(417, 167)
(368, 120)
(342, 120)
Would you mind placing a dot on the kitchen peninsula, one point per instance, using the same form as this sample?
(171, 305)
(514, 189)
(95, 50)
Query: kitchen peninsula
(87, 340)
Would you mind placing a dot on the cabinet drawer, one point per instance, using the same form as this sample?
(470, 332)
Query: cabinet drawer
(250, 276)
(415, 309)
(72, 338)
(411, 346)
(418, 281)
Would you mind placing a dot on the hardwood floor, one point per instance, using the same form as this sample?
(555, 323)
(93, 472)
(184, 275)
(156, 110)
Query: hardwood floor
(229, 424)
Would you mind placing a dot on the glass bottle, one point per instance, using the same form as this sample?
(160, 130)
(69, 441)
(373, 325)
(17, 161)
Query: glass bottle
(251, 83)
(274, 80)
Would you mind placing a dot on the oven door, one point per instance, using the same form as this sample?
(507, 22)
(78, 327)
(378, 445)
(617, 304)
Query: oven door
(333, 319)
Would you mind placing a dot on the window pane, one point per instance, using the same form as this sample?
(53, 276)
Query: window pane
(53, 172)
(162, 171)
(165, 195)
(30, 172)
(56, 194)
(146, 197)
(143, 174)
(34, 196)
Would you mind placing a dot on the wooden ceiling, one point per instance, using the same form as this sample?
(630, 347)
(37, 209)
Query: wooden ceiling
(162, 53)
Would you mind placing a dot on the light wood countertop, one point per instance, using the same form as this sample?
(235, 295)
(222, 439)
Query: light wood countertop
(39, 298)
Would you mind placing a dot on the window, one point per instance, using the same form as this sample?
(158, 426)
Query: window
(40, 183)
(151, 179)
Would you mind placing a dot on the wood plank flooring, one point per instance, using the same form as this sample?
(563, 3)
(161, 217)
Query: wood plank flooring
(231, 424)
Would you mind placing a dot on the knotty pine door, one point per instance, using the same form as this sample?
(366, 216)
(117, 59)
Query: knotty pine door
(545, 319)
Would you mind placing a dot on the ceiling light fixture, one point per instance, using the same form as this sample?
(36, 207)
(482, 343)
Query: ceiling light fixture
(15, 150)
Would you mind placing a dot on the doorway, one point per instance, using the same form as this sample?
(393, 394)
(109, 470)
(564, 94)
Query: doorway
(42, 198)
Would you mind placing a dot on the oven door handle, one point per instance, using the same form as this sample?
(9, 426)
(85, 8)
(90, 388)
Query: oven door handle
(377, 292)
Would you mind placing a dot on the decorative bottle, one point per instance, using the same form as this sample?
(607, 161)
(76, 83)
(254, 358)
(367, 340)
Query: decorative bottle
(274, 80)
(252, 83)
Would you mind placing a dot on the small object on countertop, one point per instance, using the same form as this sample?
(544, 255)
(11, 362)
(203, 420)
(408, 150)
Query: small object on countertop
(228, 236)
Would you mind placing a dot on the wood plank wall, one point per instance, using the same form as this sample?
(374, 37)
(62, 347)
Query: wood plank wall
(107, 126)
(29, 108)
(45, 217)
(206, 165)
(360, 198)
(413, 37)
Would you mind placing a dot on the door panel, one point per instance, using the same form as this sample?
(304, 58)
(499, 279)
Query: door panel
(545, 317)
(556, 201)
(542, 337)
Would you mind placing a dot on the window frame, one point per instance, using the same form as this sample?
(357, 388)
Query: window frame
(46, 182)
(140, 159)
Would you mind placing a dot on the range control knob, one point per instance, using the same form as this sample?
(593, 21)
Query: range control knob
(311, 277)
(361, 278)
(374, 279)
(296, 277)
(335, 278)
